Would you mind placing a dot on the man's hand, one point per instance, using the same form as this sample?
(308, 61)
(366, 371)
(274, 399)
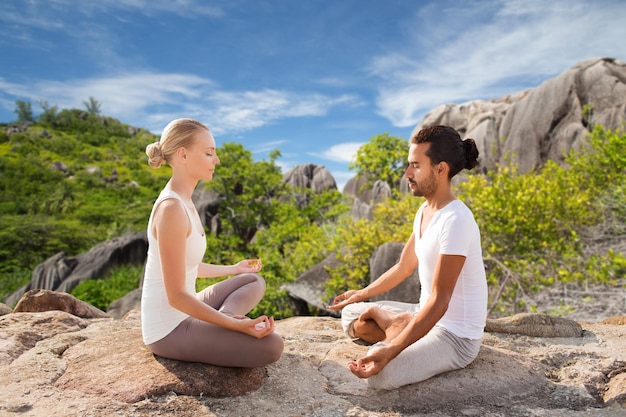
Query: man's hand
(342, 300)
(373, 363)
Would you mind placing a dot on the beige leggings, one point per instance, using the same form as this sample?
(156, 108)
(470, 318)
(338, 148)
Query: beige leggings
(438, 352)
(195, 340)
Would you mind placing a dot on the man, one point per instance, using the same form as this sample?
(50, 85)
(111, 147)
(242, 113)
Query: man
(413, 342)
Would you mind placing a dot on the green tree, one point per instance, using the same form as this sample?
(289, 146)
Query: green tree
(382, 158)
(24, 111)
(250, 192)
(49, 114)
(93, 106)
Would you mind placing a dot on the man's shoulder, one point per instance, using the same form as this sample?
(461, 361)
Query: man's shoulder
(458, 210)
(458, 207)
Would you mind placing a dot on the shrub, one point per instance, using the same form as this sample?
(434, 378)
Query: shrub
(101, 293)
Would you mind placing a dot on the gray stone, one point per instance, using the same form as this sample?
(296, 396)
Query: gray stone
(131, 301)
(144, 375)
(5, 309)
(386, 256)
(310, 288)
(35, 301)
(542, 123)
(60, 273)
(315, 177)
(537, 325)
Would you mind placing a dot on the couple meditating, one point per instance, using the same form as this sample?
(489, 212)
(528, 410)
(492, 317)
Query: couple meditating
(410, 342)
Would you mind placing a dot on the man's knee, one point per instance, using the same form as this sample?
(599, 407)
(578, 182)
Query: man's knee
(349, 314)
(381, 381)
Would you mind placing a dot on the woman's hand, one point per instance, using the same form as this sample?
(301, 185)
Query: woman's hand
(248, 265)
(348, 297)
(259, 327)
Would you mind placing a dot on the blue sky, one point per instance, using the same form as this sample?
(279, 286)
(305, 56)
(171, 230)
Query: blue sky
(314, 79)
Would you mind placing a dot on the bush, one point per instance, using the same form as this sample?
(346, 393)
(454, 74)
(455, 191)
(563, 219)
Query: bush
(101, 293)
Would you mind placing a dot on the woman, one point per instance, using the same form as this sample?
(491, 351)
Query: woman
(178, 323)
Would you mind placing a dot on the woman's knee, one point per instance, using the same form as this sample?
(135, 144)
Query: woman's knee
(255, 279)
(273, 347)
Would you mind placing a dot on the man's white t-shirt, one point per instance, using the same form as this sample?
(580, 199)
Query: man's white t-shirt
(453, 231)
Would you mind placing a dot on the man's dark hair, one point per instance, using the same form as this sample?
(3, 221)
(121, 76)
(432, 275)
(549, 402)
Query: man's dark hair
(447, 146)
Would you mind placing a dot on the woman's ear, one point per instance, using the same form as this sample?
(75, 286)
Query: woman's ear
(181, 153)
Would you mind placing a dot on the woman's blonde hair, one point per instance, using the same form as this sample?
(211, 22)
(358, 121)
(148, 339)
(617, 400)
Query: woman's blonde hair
(177, 133)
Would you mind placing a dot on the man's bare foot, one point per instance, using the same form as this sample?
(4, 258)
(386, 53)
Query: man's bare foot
(390, 323)
(398, 323)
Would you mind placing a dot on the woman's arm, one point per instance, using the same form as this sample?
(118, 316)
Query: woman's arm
(213, 271)
(171, 228)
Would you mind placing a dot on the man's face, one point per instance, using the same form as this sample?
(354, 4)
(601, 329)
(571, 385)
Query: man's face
(420, 172)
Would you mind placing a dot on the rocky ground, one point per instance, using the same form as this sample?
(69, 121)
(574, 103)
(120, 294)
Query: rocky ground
(515, 374)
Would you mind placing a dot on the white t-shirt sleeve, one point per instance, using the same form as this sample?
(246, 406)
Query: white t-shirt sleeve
(453, 239)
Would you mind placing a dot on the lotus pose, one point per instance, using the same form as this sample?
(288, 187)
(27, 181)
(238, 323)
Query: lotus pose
(177, 323)
(443, 332)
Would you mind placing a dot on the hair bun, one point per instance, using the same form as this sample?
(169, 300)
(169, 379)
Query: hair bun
(471, 153)
(155, 154)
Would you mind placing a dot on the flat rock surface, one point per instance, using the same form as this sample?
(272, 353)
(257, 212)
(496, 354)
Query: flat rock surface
(514, 375)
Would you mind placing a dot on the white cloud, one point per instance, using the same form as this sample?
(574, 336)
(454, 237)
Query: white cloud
(159, 98)
(246, 110)
(496, 42)
(260, 148)
(341, 152)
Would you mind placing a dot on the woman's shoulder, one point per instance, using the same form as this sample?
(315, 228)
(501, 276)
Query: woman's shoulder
(170, 204)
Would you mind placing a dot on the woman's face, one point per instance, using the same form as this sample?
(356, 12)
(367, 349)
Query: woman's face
(203, 156)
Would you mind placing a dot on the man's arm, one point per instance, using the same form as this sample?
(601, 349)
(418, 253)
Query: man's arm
(388, 280)
(446, 275)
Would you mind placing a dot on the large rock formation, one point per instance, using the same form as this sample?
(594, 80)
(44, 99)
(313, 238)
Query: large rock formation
(57, 364)
(541, 123)
(61, 273)
(383, 258)
(315, 177)
(309, 290)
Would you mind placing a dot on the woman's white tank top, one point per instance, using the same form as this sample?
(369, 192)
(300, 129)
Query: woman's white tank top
(158, 317)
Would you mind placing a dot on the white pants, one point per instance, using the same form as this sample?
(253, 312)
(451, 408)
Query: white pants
(437, 352)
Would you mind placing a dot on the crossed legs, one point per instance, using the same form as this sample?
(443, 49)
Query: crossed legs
(378, 325)
(379, 321)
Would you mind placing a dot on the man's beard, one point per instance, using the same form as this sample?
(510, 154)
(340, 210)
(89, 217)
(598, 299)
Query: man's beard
(426, 188)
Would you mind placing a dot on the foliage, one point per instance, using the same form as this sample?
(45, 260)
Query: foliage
(355, 241)
(24, 111)
(101, 293)
(535, 226)
(383, 157)
(74, 178)
(538, 229)
(295, 241)
(93, 106)
(249, 191)
(68, 182)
